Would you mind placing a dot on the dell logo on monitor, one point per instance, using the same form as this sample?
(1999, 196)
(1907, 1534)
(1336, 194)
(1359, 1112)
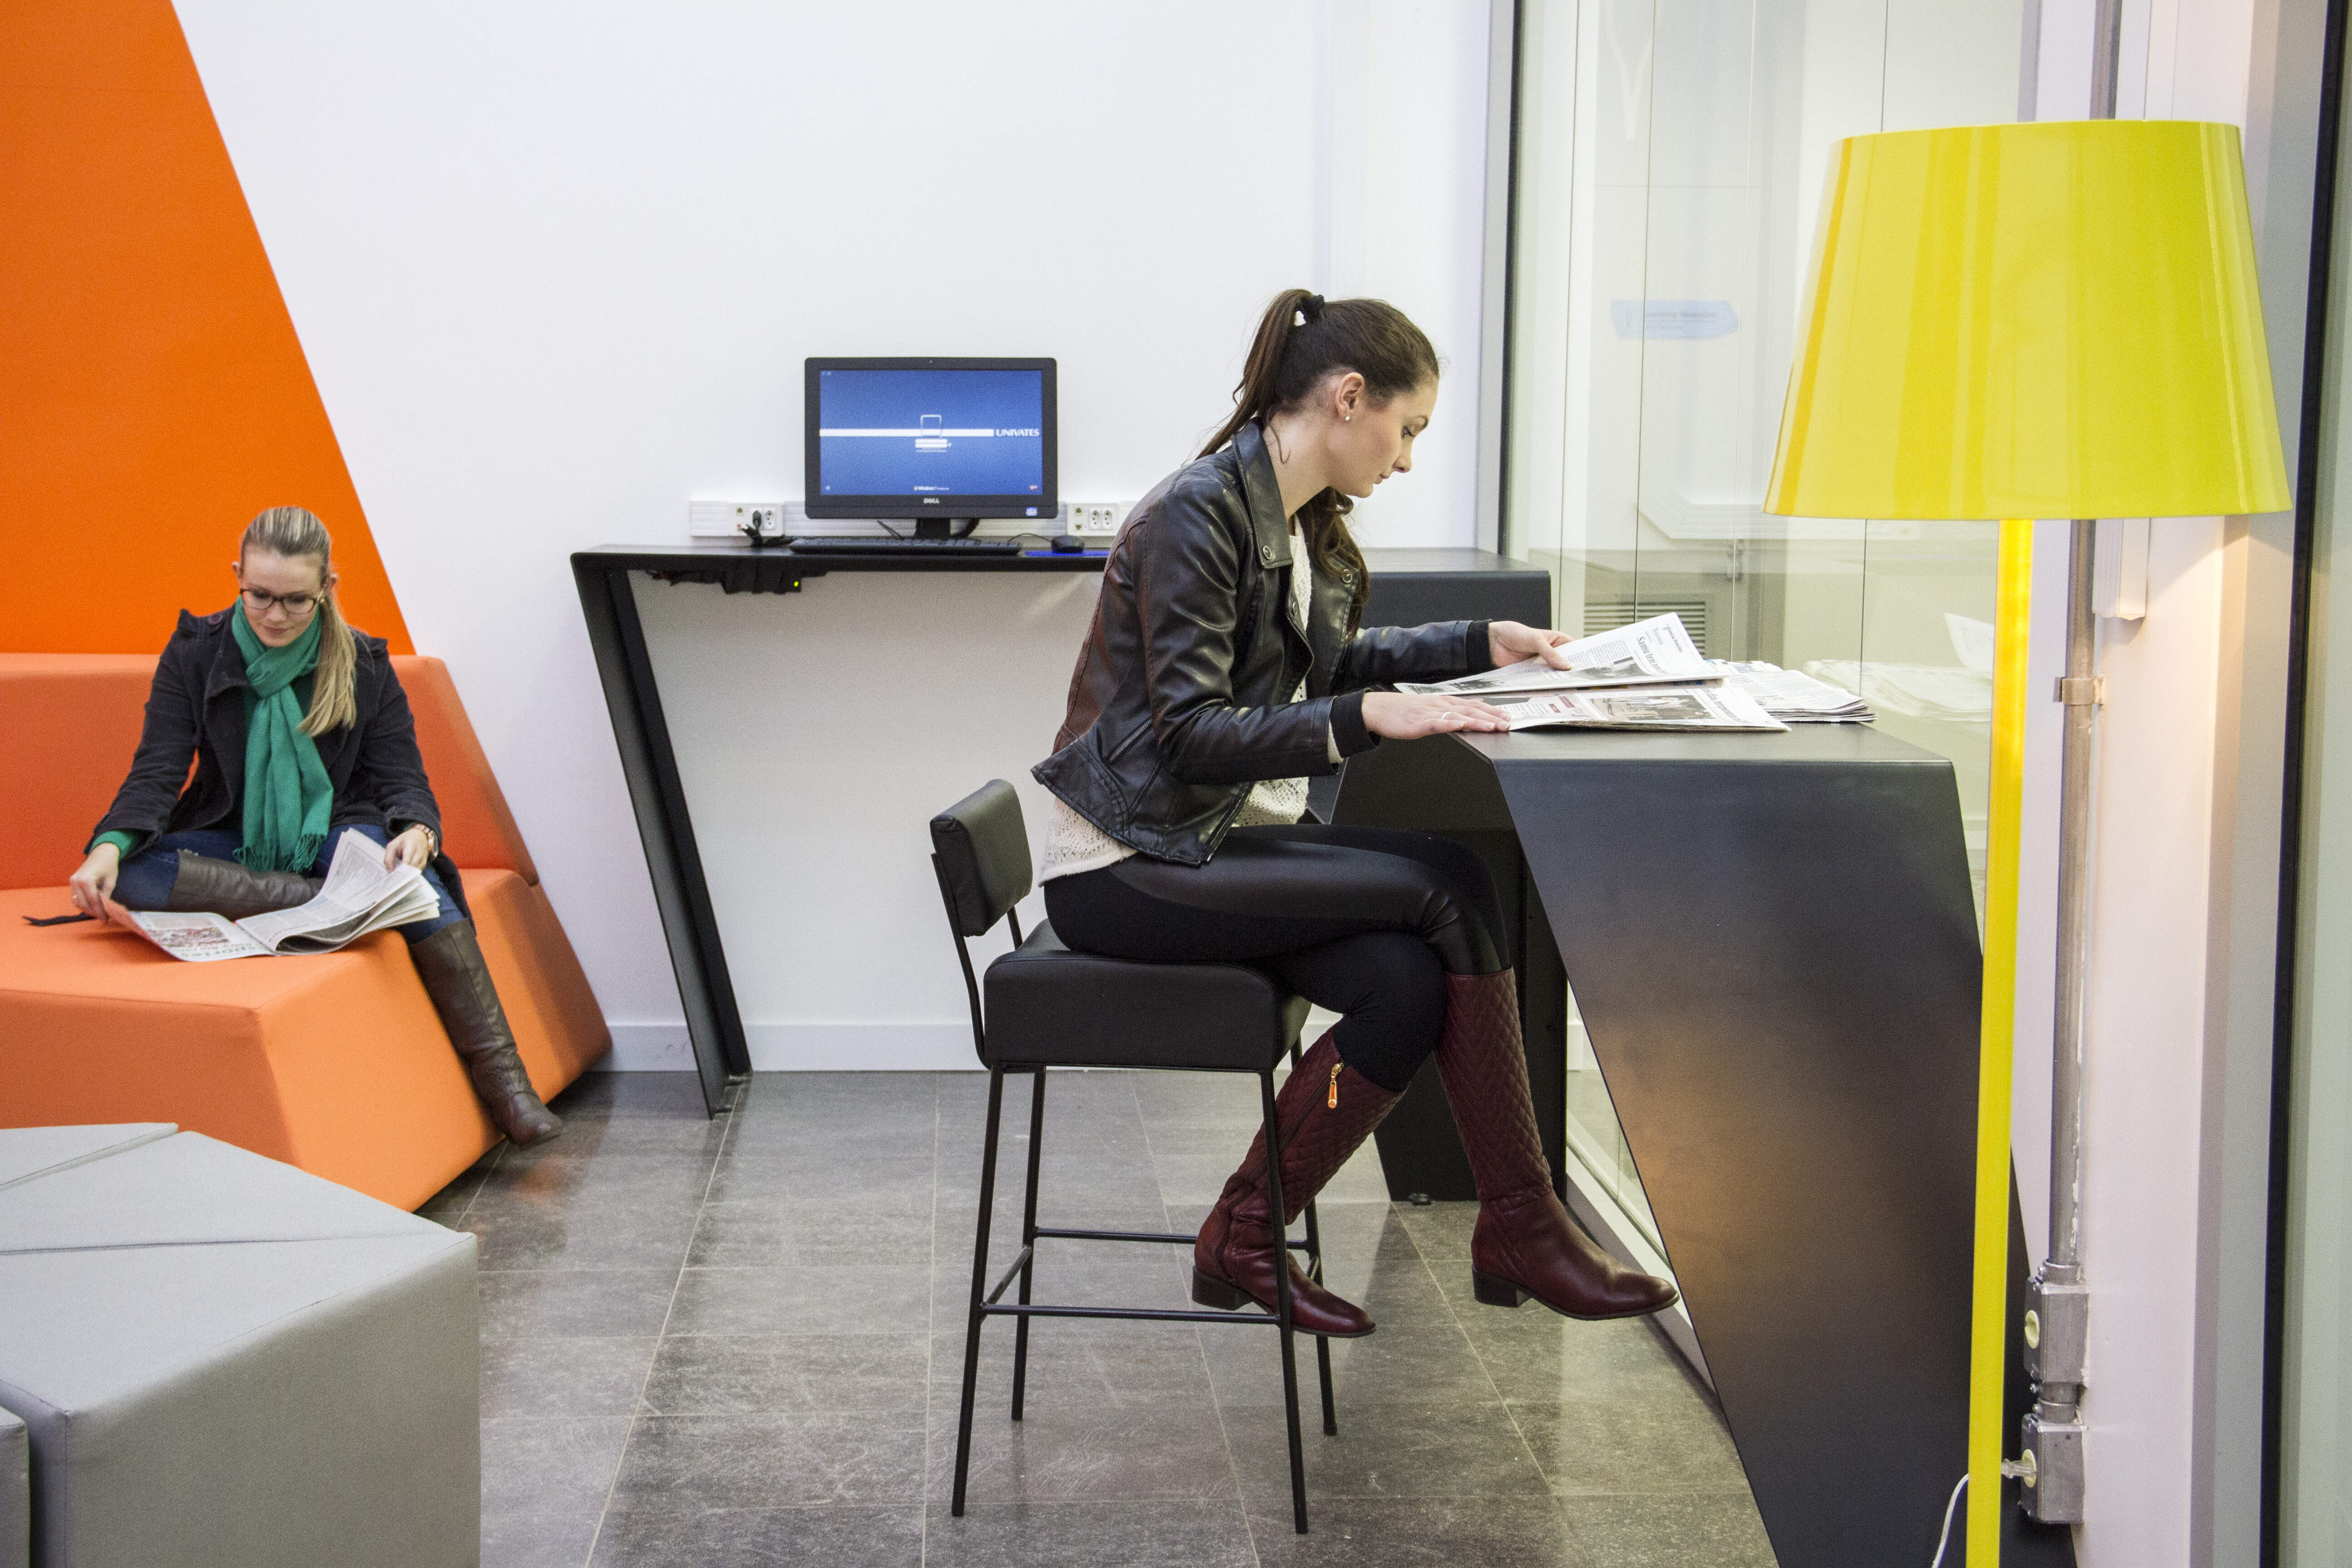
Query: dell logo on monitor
(930, 501)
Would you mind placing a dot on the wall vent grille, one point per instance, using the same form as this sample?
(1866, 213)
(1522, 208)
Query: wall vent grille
(1607, 614)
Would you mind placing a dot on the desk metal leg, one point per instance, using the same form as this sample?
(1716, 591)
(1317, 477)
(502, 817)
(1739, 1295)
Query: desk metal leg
(1543, 1024)
(634, 699)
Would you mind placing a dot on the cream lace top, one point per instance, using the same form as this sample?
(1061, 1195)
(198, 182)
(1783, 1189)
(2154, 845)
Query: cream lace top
(1074, 845)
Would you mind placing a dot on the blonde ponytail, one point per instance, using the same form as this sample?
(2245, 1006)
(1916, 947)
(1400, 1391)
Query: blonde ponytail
(293, 532)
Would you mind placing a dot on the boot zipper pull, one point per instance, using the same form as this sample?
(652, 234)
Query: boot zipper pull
(1333, 1103)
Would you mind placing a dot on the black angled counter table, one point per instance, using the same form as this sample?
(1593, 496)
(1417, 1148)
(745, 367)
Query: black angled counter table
(1772, 942)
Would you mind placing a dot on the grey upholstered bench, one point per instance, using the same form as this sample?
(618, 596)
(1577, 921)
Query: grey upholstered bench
(220, 1360)
(15, 1494)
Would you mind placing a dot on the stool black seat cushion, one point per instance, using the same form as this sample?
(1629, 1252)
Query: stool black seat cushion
(1049, 1006)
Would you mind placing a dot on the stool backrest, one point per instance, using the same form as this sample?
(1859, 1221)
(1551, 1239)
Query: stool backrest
(980, 852)
(983, 851)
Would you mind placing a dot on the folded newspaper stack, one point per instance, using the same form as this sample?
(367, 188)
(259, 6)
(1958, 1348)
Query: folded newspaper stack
(1793, 697)
(1953, 694)
(360, 895)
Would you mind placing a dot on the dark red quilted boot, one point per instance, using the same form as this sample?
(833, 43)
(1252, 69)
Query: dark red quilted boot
(1525, 1244)
(1326, 1110)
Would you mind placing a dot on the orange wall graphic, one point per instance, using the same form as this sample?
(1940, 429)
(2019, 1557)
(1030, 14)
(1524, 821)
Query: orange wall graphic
(152, 393)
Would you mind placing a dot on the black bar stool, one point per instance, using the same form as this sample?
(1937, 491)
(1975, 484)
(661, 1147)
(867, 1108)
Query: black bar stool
(1050, 1008)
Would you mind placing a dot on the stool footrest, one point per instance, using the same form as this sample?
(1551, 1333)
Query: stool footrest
(1145, 1315)
(1185, 1239)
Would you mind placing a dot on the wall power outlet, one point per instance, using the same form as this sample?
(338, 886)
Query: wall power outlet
(1098, 519)
(728, 518)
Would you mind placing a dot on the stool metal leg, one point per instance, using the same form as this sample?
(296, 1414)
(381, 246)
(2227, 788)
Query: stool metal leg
(1315, 1272)
(978, 1288)
(1322, 1342)
(1028, 1240)
(1281, 1305)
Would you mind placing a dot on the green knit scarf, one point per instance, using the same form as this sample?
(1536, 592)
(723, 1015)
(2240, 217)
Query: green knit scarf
(288, 797)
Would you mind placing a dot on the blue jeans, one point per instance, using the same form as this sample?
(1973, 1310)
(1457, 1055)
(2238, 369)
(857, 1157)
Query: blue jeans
(146, 879)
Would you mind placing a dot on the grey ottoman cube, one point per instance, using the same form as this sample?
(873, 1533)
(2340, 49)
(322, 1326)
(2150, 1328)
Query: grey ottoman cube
(15, 1494)
(221, 1360)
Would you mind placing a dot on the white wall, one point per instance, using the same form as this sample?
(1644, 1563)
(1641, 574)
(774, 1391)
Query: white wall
(2184, 766)
(555, 267)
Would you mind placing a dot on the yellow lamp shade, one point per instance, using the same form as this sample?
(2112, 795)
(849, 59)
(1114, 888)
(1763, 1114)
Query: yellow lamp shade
(2033, 320)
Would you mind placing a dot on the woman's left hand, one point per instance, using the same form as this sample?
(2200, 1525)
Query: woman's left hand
(412, 847)
(1507, 642)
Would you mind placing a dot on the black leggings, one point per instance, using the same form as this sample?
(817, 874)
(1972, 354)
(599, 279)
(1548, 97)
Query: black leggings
(1366, 922)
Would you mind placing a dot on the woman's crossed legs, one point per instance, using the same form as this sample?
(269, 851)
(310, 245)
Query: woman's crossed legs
(1365, 921)
(1399, 933)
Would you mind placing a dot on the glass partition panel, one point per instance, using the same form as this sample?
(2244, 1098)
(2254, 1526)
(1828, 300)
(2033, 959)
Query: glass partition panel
(2314, 1465)
(1671, 156)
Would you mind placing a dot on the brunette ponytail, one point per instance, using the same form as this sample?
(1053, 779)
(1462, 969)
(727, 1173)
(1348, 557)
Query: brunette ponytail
(1301, 340)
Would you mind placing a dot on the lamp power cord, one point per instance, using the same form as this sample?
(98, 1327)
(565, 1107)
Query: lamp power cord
(1944, 1542)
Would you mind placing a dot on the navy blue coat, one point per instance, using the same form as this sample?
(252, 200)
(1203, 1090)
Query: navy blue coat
(195, 708)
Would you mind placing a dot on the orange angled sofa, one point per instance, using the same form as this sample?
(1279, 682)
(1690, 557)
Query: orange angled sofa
(335, 1063)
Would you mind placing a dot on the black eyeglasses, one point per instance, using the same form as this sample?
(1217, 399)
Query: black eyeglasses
(298, 606)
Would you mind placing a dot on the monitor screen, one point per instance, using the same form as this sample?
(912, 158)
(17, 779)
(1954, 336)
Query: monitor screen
(938, 437)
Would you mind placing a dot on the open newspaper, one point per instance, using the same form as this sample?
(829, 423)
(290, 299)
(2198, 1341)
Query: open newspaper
(1677, 708)
(360, 895)
(1647, 653)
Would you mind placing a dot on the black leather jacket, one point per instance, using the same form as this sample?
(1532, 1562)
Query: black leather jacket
(1181, 697)
(195, 709)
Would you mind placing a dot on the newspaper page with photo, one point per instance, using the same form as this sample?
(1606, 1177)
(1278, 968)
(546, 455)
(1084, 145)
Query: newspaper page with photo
(1646, 653)
(361, 895)
(197, 938)
(1675, 707)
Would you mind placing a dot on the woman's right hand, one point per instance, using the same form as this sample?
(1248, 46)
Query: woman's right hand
(1397, 717)
(92, 886)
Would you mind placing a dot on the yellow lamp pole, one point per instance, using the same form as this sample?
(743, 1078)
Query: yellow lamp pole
(1988, 1310)
(2023, 321)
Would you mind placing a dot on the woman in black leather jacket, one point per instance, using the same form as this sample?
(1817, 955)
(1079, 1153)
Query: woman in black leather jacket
(1225, 664)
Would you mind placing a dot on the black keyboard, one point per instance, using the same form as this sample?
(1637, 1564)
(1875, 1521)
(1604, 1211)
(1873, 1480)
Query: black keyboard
(870, 544)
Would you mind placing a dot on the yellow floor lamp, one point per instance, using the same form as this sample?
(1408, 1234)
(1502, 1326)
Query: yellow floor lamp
(2020, 321)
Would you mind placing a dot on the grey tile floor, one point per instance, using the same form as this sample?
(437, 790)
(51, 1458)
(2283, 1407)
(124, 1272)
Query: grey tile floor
(741, 1341)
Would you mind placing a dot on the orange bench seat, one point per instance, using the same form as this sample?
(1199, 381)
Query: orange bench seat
(335, 1063)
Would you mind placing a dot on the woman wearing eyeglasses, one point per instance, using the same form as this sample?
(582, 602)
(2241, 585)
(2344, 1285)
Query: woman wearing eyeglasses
(300, 734)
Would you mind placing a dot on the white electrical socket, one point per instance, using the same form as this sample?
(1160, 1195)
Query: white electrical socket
(728, 518)
(1096, 518)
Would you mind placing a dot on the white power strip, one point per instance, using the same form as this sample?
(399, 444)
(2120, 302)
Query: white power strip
(1096, 519)
(727, 518)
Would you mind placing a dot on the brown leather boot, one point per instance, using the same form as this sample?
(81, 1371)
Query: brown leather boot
(226, 887)
(450, 963)
(1525, 1244)
(1326, 1110)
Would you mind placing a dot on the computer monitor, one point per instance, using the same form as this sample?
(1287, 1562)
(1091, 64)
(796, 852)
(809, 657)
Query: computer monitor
(936, 441)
